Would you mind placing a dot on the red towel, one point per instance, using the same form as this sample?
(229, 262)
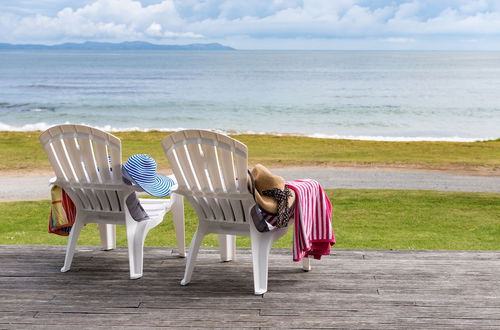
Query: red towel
(62, 212)
(313, 234)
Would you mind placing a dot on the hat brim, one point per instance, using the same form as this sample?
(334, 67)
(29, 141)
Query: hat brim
(267, 203)
(161, 187)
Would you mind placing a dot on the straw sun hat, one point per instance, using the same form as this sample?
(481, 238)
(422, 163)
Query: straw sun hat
(261, 183)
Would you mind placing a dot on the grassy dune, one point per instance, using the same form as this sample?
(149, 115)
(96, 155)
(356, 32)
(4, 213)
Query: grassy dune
(21, 151)
(371, 219)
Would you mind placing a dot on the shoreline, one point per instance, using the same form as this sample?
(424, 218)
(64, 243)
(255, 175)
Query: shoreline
(40, 127)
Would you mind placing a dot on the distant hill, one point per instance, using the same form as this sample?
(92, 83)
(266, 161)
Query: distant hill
(127, 45)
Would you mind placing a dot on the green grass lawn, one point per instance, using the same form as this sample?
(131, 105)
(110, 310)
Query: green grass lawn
(363, 219)
(22, 151)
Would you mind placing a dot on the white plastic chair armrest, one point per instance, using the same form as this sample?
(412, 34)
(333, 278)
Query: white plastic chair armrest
(175, 186)
(52, 180)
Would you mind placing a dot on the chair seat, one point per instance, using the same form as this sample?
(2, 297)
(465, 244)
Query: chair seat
(155, 207)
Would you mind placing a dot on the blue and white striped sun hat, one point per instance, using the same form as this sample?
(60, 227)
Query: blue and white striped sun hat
(142, 170)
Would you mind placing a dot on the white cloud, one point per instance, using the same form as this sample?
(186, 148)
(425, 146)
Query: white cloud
(216, 20)
(398, 40)
(101, 20)
(170, 34)
(407, 10)
(154, 30)
(472, 6)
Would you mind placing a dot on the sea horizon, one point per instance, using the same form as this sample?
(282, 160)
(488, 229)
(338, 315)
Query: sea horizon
(381, 95)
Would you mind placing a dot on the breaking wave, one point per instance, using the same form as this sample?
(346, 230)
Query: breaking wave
(43, 126)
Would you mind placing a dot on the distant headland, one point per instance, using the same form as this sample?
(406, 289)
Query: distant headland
(127, 45)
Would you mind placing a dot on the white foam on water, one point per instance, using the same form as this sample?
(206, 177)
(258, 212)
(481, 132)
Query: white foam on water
(24, 128)
(400, 138)
(368, 137)
(43, 126)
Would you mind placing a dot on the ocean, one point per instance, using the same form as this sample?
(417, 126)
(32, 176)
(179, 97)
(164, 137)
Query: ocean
(374, 95)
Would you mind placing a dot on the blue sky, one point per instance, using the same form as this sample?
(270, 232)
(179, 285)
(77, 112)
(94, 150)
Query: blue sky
(259, 24)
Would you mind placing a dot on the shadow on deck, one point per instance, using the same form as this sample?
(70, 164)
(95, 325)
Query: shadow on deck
(350, 289)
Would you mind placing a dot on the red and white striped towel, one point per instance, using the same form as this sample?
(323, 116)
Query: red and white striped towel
(313, 234)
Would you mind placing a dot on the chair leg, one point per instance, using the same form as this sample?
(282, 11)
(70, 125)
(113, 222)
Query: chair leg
(234, 247)
(178, 214)
(193, 253)
(108, 236)
(306, 264)
(136, 234)
(261, 246)
(70, 249)
(227, 247)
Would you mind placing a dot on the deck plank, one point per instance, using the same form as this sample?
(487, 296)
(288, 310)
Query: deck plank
(376, 289)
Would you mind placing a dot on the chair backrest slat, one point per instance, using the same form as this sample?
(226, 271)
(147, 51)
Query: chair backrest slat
(85, 160)
(102, 161)
(190, 176)
(63, 152)
(241, 166)
(60, 154)
(229, 171)
(175, 163)
(51, 154)
(216, 179)
(74, 152)
(116, 175)
(211, 167)
(89, 165)
(196, 156)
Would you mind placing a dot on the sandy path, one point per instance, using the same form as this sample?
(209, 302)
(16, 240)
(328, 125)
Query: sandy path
(35, 186)
(394, 179)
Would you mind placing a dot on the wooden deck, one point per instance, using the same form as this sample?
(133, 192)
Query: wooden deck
(350, 289)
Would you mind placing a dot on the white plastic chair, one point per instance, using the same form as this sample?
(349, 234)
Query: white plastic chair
(211, 170)
(87, 163)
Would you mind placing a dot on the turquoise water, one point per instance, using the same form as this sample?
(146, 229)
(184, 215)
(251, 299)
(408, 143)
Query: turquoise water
(360, 94)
